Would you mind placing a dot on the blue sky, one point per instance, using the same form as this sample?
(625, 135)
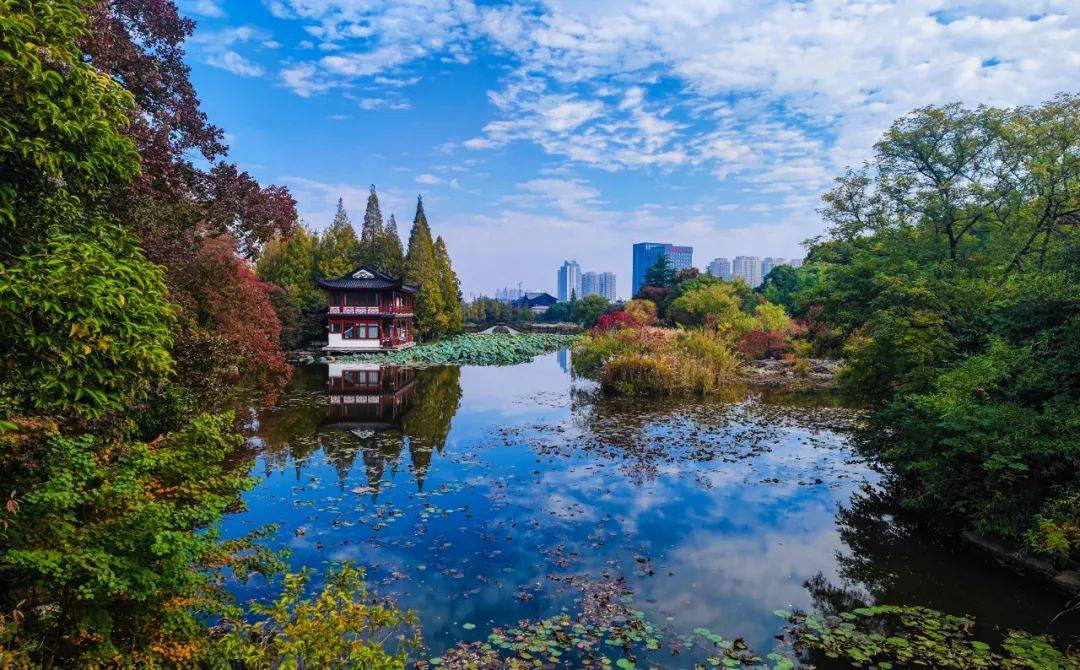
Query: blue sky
(540, 131)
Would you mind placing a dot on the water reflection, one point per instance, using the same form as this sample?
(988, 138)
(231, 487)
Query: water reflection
(467, 492)
(365, 410)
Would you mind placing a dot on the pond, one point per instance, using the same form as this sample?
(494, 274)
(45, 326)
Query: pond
(478, 495)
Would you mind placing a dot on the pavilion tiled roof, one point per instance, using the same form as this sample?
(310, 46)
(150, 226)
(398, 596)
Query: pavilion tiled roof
(366, 278)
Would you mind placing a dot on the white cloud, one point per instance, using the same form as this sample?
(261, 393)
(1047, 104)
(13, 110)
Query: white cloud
(771, 98)
(211, 8)
(432, 180)
(218, 48)
(233, 62)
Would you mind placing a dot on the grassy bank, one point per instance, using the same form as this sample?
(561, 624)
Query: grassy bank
(473, 350)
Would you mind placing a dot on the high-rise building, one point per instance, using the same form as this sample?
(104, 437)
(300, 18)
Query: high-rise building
(569, 280)
(720, 267)
(590, 284)
(796, 262)
(607, 285)
(747, 268)
(769, 263)
(646, 253)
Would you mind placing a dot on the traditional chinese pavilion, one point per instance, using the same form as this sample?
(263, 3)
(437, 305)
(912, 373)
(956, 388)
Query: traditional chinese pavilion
(368, 311)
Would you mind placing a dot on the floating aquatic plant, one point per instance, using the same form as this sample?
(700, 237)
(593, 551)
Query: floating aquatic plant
(493, 349)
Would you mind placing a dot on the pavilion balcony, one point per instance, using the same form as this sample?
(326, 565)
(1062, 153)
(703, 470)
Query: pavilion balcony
(380, 310)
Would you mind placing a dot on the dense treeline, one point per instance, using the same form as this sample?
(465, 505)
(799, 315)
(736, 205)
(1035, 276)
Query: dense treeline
(127, 308)
(949, 280)
(293, 264)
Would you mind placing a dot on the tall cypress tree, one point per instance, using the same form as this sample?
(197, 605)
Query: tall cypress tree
(371, 232)
(449, 287)
(392, 253)
(373, 225)
(421, 268)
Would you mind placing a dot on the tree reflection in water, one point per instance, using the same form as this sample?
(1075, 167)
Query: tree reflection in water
(893, 557)
(350, 409)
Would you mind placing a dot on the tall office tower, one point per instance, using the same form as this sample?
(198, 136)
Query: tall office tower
(747, 268)
(646, 253)
(682, 258)
(607, 285)
(590, 284)
(720, 267)
(569, 280)
(796, 262)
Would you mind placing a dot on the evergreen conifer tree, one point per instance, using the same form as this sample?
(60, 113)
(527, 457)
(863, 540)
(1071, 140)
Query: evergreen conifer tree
(371, 233)
(373, 225)
(393, 256)
(661, 273)
(338, 245)
(450, 287)
(421, 268)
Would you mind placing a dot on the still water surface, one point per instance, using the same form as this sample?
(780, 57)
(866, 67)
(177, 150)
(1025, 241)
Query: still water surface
(467, 492)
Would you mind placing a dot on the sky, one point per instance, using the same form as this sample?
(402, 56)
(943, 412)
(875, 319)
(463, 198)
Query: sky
(543, 131)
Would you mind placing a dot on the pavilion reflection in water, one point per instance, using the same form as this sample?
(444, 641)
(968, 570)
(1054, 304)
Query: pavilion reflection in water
(368, 395)
(383, 411)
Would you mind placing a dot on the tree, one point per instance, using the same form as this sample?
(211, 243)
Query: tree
(338, 246)
(185, 193)
(661, 273)
(449, 287)
(422, 269)
(393, 256)
(714, 304)
(950, 273)
(101, 558)
(642, 311)
(291, 265)
(779, 286)
(373, 223)
(587, 311)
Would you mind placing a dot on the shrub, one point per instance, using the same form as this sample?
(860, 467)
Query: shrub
(614, 321)
(654, 361)
(342, 626)
(643, 311)
(639, 374)
(710, 352)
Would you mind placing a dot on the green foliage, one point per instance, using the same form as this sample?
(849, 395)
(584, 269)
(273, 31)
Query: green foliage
(560, 312)
(771, 318)
(661, 273)
(714, 304)
(60, 123)
(292, 265)
(343, 626)
(101, 557)
(889, 636)
(490, 310)
(491, 349)
(422, 269)
(587, 311)
(449, 288)
(951, 274)
(338, 247)
(780, 285)
(84, 323)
